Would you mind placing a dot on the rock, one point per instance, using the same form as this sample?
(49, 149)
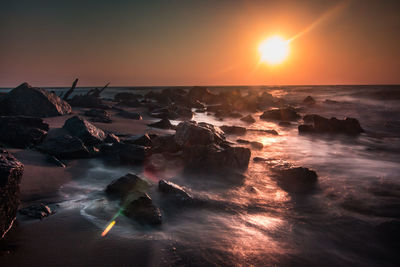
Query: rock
(87, 102)
(248, 119)
(111, 139)
(349, 126)
(29, 101)
(143, 210)
(192, 133)
(296, 179)
(309, 118)
(165, 143)
(11, 171)
(65, 146)
(214, 157)
(273, 132)
(84, 130)
(173, 190)
(242, 141)
(237, 130)
(19, 131)
(55, 161)
(130, 103)
(331, 102)
(285, 114)
(202, 94)
(124, 153)
(125, 96)
(265, 100)
(98, 115)
(162, 124)
(37, 211)
(129, 184)
(309, 101)
(256, 145)
(285, 123)
(389, 232)
(129, 115)
(259, 159)
(140, 140)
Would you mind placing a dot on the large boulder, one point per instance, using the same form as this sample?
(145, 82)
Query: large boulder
(21, 132)
(11, 171)
(193, 133)
(349, 126)
(143, 210)
(282, 114)
(127, 185)
(30, 101)
(84, 130)
(64, 146)
(296, 179)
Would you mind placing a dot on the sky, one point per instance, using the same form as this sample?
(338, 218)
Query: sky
(170, 42)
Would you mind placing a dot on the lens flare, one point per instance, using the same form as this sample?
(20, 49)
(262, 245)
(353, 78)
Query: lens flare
(108, 228)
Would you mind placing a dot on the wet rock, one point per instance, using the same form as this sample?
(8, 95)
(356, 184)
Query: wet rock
(37, 211)
(256, 145)
(85, 101)
(173, 190)
(11, 171)
(193, 133)
(309, 101)
(348, 126)
(130, 115)
(248, 119)
(296, 179)
(143, 210)
(203, 95)
(124, 153)
(236, 130)
(162, 124)
(285, 123)
(19, 131)
(65, 147)
(242, 141)
(55, 161)
(98, 115)
(389, 232)
(165, 143)
(283, 114)
(273, 132)
(129, 184)
(30, 101)
(84, 130)
(111, 139)
(140, 140)
(259, 159)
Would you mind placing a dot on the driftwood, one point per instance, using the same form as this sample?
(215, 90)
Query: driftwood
(96, 92)
(69, 92)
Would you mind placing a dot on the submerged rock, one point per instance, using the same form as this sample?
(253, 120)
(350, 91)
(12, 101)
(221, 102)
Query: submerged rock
(65, 146)
(143, 210)
(30, 101)
(309, 101)
(19, 131)
(37, 211)
(162, 124)
(248, 119)
(296, 179)
(283, 114)
(98, 115)
(348, 126)
(236, 130)
(11, 171)
(173, 190)
(84, 130)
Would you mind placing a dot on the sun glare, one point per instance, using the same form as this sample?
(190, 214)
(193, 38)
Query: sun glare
(274, 50)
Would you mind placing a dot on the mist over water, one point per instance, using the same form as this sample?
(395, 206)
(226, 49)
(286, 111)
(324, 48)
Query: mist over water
(258, 223)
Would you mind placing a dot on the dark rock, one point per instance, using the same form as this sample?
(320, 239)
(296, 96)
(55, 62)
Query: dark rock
(309, 101)
(129, 184)
(309, 118)
(285, 114)
(237, 130)
(162, 124)
(273, 132)
(348, 126)
(130, 103)
(88, 102)
(192, 133)
(111, 139)
(165, 143)
(37, 211)
(124, 153)
(242, 141)
(296, 179)
(18, 131)
(98, 115)
(173, 190)
(11, 171)
(84, 130)
(29, 101)
(55, 161)
(140, 140)
(130, 115)
(125, 96)
(248, 119)
(256, 145)
(65, 146)
(285, 123)
(203, 95)
(143, 210)
(331, 102)
(259, 159)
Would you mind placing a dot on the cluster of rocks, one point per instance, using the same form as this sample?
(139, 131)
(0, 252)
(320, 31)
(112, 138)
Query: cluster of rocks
(319, 124)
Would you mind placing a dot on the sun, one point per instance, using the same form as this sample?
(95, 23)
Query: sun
(274, 50)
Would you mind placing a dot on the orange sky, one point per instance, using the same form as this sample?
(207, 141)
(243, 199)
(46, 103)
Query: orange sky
(49, 43)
